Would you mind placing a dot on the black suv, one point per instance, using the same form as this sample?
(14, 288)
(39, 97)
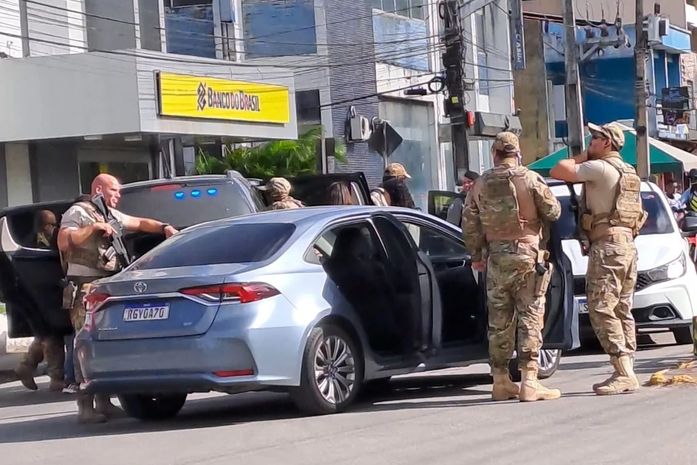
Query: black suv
(30, 277)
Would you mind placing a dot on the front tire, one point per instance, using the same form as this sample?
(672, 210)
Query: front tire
(152, 407)
(332, 372)
(548, 363)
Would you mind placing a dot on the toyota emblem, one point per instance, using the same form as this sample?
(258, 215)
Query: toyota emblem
(140, 287)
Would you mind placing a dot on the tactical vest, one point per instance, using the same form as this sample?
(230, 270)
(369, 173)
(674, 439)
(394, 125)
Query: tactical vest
(627, 211)
(92, 253)
(507, 209)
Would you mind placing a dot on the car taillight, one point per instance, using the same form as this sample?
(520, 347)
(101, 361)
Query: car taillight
(94, 300)
(243, 293)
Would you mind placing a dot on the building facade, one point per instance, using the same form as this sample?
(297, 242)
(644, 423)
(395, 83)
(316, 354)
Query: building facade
(607, 75)
(91, 70)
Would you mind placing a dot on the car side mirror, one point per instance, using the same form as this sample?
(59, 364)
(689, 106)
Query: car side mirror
(689, 224)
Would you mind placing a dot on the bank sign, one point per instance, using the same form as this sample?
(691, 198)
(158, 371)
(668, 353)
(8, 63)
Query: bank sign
(189, 96)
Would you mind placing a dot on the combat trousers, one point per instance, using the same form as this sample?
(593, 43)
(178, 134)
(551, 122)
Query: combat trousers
(49, 348)
(610, 282)
(77, 318)
(516, 296)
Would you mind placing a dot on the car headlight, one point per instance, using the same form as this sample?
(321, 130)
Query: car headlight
(672, 270)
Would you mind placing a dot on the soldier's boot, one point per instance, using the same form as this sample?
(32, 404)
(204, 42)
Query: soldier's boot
(504, 388)
(105, 407)
(85, 410)
(625, 383)
(25, 369)
(531, 390)
(55, 359)
(615, 374)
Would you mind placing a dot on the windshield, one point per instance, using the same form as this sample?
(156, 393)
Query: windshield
(183, 205)
(213, 245)
(658, 221)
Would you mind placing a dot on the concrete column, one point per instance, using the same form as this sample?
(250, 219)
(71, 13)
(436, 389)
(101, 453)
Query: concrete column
(17, 167)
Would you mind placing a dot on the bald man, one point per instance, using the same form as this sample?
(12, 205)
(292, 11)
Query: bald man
(83, 240)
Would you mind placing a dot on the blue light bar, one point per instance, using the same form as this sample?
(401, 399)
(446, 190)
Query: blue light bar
(212, 191)
(179, 195)
(195, 193)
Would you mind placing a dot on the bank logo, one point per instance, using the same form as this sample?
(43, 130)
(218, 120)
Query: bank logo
(201, 91)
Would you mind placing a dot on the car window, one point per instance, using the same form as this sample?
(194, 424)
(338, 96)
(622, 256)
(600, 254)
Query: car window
(434, 243)
(323, 248)
(213, 245)
(658, 221)
(184, 205)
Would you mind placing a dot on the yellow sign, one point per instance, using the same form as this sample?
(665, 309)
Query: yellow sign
(213, 98)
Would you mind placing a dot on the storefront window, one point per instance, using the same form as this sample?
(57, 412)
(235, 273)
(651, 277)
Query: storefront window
(124, 171)
(415, 122)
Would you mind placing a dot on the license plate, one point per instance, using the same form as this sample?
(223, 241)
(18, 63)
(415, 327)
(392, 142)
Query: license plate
(146, 313)
(582, 306)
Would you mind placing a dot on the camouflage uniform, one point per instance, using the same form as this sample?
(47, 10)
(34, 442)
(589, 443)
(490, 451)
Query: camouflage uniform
(85, 265)
(503, 218)
(612, 265)
(279, 189)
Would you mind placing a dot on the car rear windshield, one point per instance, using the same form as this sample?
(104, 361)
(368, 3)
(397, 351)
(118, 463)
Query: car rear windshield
(214, 245)
(658, 221)
(183, 205)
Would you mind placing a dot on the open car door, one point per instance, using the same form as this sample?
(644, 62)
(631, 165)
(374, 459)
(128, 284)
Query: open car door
(313, 190)
(561, 329)
(417, 277)
(446, 205)
(29, 276)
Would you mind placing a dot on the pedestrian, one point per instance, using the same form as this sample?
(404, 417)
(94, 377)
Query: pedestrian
(394, 182)
(505, 214)
(611, 217)
(454, 212)
(48, 346)
(339, 194)
(688, 200)
(83, 240)
(279, 189)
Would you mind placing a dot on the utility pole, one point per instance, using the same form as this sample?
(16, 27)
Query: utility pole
(640, 52)
(453, 61)
(574, 109)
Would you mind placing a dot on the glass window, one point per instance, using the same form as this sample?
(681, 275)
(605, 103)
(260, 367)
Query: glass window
(377, 4)
(183, 205)
(190, 28)
(402, 7)
(433, 243)
(124, 171)
(308, 107)
(213, 245)
(482, 59)
(323, 248)
(418, 9)
(279, 28)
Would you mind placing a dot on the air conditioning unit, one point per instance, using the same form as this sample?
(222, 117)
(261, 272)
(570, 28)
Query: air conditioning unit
(658, 27)
(360, 128)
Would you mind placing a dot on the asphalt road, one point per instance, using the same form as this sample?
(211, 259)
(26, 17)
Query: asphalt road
(441, 418)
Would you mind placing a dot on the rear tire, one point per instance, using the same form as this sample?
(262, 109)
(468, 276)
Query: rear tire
(332, 372)
(548, 363)
(152, 407)
(682, 335)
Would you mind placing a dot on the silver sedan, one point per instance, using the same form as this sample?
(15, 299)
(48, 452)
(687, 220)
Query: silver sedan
(315, 301)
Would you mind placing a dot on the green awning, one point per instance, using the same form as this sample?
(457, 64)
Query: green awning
(661, 160)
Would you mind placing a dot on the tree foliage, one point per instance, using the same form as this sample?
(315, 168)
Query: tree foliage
(275, 158)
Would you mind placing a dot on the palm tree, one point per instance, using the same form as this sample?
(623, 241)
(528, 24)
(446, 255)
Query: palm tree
(276, 158)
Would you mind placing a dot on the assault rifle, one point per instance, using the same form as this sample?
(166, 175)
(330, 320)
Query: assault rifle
(117, 246)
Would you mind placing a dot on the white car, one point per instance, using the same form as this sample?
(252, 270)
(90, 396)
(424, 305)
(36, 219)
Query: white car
(666, 291)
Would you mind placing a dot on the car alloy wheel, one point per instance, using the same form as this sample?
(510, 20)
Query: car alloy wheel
(548, 362)
(335, 370)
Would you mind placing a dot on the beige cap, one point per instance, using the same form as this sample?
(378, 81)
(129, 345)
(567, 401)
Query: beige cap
(612, 131)
(507, 142)
(397, 170)
(277, 187)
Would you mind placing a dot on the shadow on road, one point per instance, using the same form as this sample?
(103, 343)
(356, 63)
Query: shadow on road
(18, 395)
(243, 408)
